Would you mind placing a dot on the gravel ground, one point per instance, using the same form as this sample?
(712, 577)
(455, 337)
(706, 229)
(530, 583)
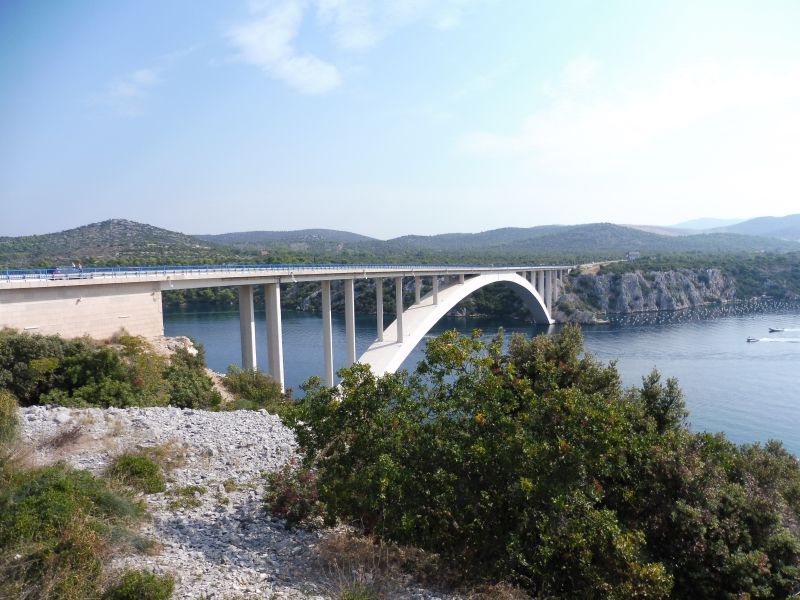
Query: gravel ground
(227, 546)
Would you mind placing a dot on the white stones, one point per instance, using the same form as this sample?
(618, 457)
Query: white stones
(228, 546)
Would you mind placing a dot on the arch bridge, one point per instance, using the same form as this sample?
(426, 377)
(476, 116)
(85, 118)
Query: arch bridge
(100, 301)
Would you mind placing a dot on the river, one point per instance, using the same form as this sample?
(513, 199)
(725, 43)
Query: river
(749, 391)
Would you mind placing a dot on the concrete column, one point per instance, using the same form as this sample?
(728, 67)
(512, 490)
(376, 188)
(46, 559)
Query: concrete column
(272, 294)
(461, 278)
(417, 289)
(398, 301)
(435, 283)
(379, 308)
(540, 283)
(548, 283)
(554, 289)
(350, 321)
(327, 333)
(532, 277)
(247, 327)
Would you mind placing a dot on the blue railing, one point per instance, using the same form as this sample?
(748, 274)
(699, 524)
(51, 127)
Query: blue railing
(61, 273)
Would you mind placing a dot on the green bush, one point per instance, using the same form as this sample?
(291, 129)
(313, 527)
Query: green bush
(139, 472)
(141, 585)
(534, 466)
(9, 417)
(58, 526)
(189, 386)
(50, 370)
(255, 390)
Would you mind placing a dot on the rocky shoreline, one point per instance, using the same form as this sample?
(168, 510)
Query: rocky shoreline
(213, 533)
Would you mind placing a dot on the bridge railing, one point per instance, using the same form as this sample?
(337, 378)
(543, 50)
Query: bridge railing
(64, 273)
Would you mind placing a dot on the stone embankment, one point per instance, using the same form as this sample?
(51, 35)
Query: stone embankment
(212, 531)
(587, 297)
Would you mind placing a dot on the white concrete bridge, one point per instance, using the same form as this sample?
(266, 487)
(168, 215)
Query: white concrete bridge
(101, 301)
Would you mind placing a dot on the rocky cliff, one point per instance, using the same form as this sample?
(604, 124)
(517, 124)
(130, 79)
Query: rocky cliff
(587, 297)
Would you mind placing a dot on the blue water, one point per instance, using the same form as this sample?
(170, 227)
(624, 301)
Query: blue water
(749, 391)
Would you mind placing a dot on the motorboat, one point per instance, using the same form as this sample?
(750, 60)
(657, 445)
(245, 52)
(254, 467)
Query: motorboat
(752, 339)
(773, 330)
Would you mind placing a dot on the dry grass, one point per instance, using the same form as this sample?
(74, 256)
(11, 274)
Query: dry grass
(351, 562)
(68, 436)
(169, 456)
(497, 591)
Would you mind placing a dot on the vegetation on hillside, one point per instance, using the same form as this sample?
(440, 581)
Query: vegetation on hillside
(776, 275)
(121, 242)
(39, 369)
(536, 467)
(59, 527)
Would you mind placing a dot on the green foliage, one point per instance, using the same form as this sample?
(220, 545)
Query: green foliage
(51, 370)
(357, 591)
(534, 466)
(141, 585)
(255, 390)
(58, 526)
(139, 472)
(189, 386)
(9, 417)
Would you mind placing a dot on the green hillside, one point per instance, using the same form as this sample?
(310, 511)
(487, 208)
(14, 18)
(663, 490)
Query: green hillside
(112, 242)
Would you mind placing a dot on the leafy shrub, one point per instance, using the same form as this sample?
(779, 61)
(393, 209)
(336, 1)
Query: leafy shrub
(139, 472)
(189, 386)
(50, 370)
(58, 526)
(255, 390)
(9, 417)
(141, 585)
(292, 494)
(536, 468)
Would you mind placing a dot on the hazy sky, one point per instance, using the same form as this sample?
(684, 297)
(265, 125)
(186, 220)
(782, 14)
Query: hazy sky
(388, 117)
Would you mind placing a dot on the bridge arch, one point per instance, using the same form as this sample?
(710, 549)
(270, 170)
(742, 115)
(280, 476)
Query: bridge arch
(418, 319)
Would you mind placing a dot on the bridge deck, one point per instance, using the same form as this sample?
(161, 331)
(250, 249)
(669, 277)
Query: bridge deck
(182, 277)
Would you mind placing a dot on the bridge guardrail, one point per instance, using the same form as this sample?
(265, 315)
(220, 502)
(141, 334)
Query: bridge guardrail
(58, 274)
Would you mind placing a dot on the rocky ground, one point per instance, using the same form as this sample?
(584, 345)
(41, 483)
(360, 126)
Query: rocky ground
(215, 537)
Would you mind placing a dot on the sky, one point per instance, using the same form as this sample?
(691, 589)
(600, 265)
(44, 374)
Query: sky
(390, 117)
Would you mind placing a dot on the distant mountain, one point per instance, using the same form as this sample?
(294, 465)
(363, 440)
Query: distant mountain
(594, 239)
(484, 239)
(783, 228)
(708, 223)
(119, 241)
(109, 242)
(663, 230)
(607, 239)
(266, 238)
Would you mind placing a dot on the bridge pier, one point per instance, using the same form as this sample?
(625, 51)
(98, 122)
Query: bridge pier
(398, 301)
(350, 321)
(460, 278)
(435, 284)
(540, 283)
(417, 289)
(379, 307)
(247, 327)
(327, 333)
(272, 295)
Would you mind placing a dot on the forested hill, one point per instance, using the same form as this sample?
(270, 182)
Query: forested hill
(301, 237)
(120, 241)
(116, 241)
(595, 240)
